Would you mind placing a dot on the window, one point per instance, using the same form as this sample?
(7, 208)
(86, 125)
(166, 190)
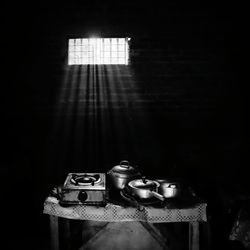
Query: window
(98, 51)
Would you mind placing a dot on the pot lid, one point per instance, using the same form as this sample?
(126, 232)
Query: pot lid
(143, 184)
(124, 169)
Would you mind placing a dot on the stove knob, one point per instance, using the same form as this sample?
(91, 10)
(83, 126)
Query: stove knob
(82, 196)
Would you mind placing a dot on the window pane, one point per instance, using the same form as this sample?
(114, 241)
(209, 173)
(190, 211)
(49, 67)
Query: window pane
(121, 41)
(114, 60)
(84, 61)
(85, 41)
(77, 48)
(121, 47)
(106, 54)
(121, 54)
(106, 41)
(114, 54)
(121, 61)
(106, 60)
(114, 41)
(71, 41)
(78, 41)
(85, 48)
(106, 48)
(71, 48)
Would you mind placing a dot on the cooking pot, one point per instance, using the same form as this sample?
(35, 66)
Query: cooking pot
(145, 189)
(169, 189)
(121, 174)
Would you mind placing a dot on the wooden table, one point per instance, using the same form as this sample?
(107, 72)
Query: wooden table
(114, 213)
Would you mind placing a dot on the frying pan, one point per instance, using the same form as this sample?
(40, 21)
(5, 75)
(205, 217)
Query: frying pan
(145, 189)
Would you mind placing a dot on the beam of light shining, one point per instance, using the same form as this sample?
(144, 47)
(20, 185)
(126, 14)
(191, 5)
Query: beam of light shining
(104, 114)
(117, 103)
(61, 105)
(94, 107)
(98, 51)
(59, 131)
(70, 109)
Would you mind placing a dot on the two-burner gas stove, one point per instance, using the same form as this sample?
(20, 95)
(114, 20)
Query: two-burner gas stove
(84, 188)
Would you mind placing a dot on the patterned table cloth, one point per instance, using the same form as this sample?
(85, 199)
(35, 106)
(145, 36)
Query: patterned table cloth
(116, 213)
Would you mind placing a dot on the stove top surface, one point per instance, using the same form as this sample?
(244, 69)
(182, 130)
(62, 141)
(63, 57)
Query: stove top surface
(86, 181)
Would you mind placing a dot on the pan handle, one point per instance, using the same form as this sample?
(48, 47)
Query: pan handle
(157, 195)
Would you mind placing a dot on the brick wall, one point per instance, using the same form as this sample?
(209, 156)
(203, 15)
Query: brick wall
(173, 110)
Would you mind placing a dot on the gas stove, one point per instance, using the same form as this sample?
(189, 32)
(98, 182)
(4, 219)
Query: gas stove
(84, 188)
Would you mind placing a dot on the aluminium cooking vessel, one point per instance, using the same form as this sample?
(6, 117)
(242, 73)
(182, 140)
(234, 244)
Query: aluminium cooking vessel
(121, 174)
(145, 189)
(169, 189)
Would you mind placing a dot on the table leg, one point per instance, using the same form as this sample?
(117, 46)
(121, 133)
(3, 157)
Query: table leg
(54, 232)
(194, 235)
(66, 233)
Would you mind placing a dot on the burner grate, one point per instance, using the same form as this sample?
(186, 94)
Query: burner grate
(85, 179)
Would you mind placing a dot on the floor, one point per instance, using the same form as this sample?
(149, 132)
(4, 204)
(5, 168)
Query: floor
(125, 236)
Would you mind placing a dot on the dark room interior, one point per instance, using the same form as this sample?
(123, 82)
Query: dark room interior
(175, 110)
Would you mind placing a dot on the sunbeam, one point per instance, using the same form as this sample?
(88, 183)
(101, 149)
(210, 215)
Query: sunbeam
(97, 117)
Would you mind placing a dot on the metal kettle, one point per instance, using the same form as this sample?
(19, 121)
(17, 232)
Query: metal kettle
(121, 174)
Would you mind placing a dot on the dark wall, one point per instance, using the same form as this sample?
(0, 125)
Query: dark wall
(174, 111)
(170, 110)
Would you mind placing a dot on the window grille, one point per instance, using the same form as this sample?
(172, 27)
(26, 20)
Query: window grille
(98, 51)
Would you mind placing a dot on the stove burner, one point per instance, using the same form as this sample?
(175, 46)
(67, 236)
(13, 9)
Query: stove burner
(85, 179)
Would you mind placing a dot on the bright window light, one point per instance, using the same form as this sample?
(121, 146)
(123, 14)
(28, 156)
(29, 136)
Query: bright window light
(98, 51)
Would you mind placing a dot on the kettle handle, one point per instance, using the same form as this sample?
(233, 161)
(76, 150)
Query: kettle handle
(124, 164)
